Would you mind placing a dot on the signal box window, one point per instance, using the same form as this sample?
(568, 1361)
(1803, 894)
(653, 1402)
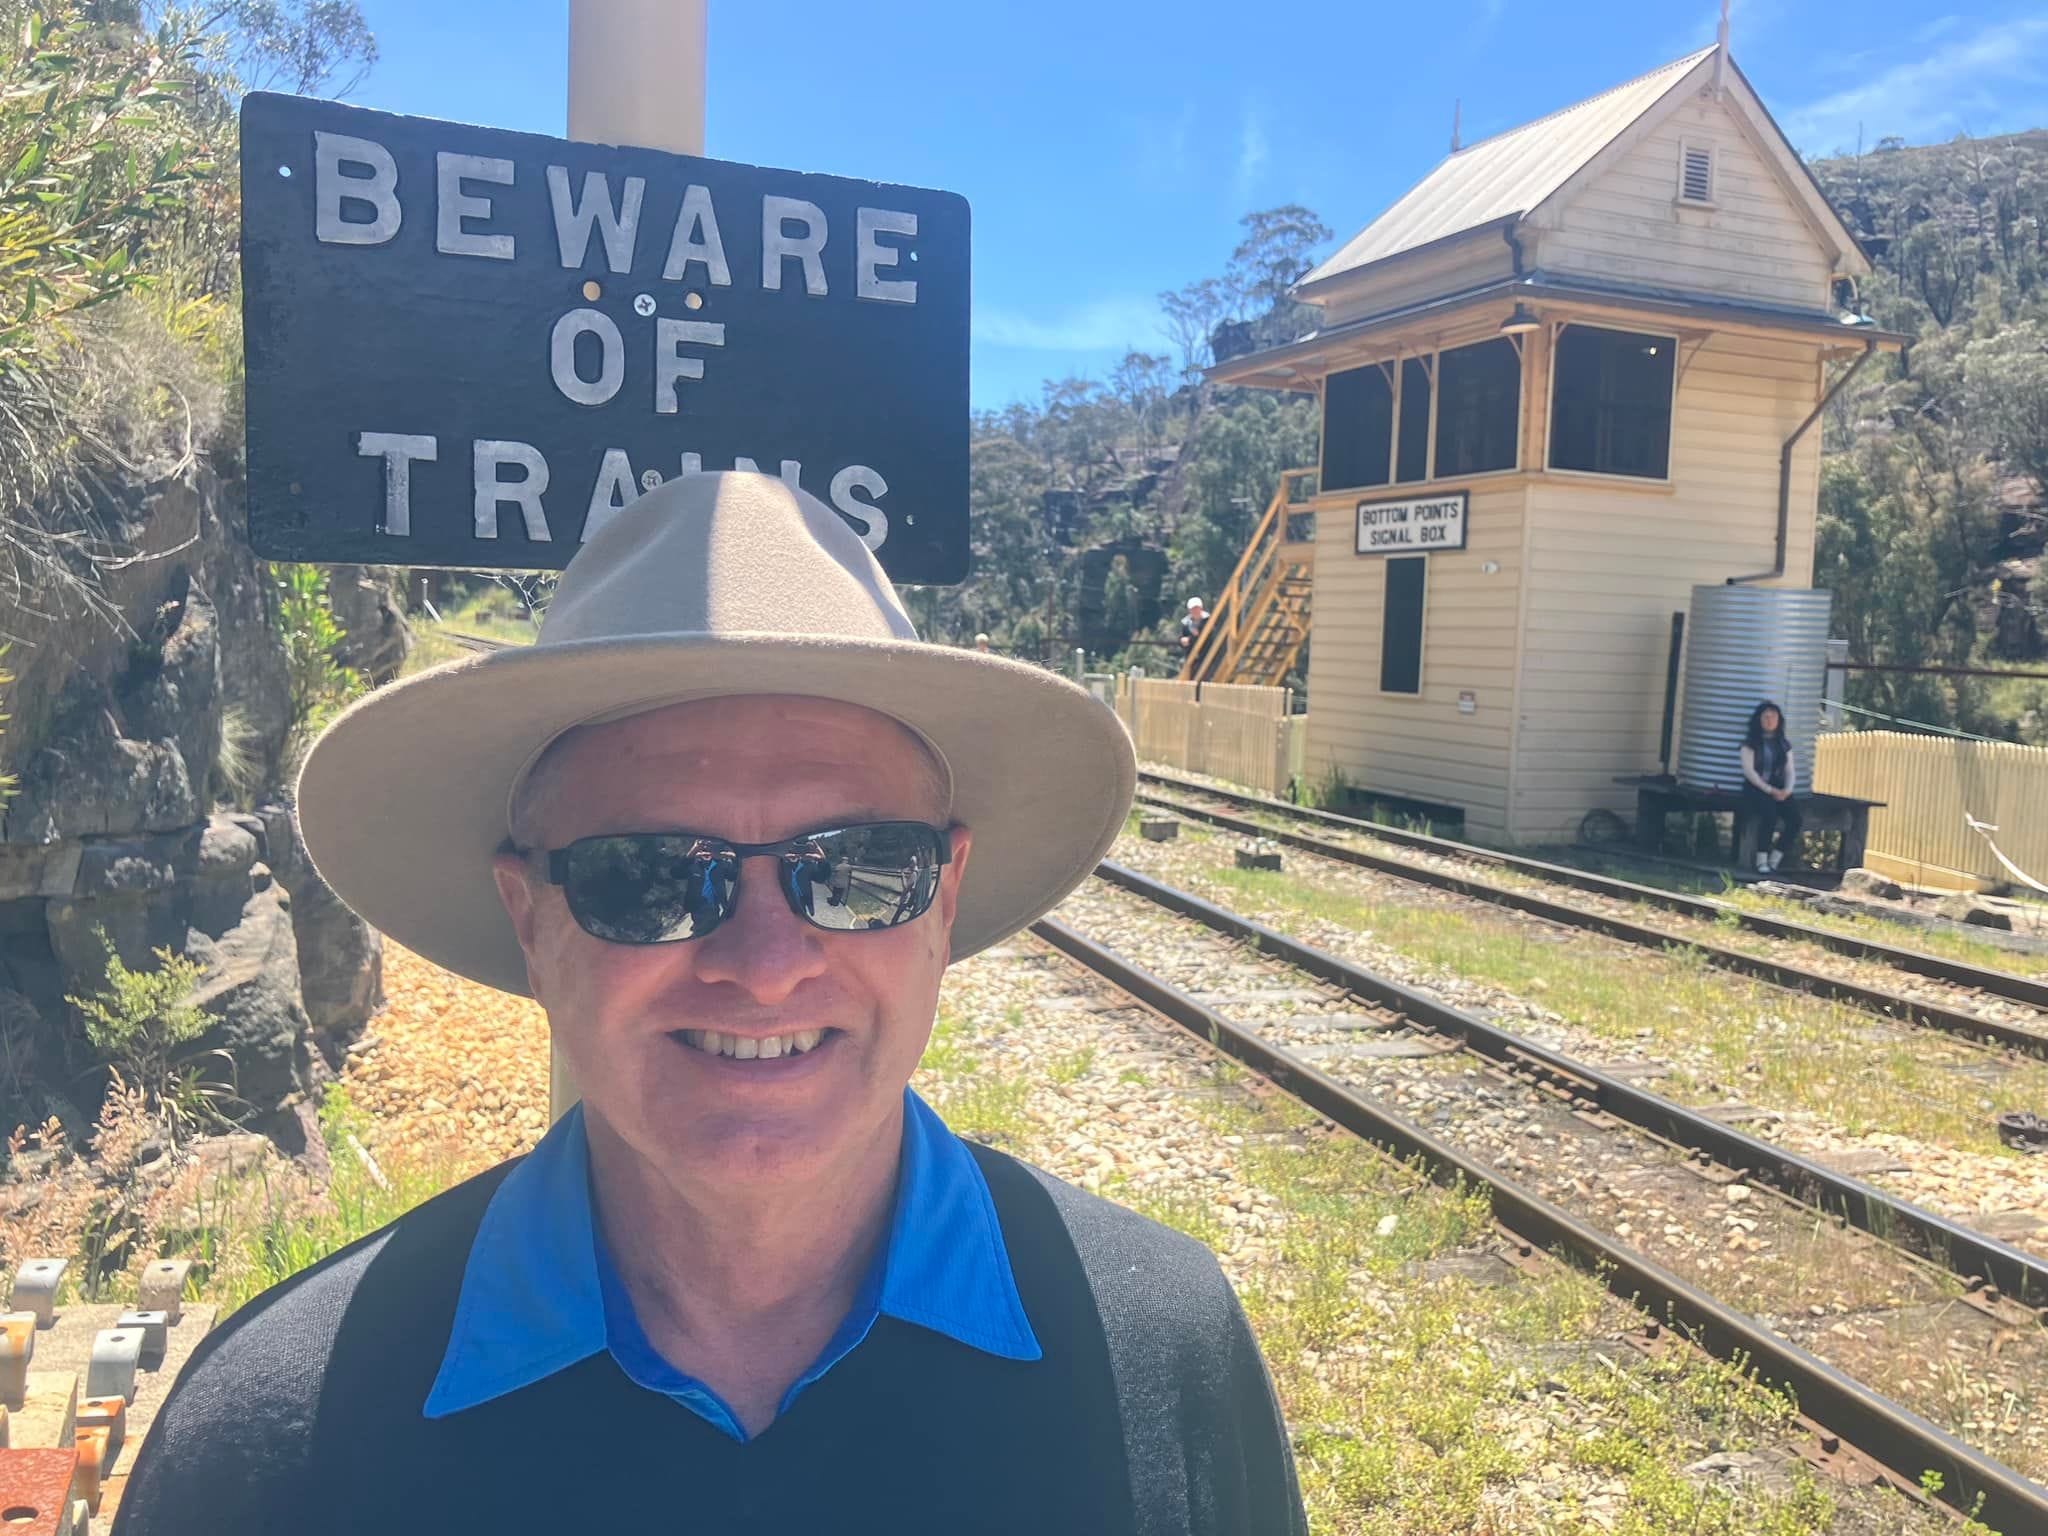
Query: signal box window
(1478, 407)
(1610, 410)
(1358, 425)
(1401, 625)
(1478, 397)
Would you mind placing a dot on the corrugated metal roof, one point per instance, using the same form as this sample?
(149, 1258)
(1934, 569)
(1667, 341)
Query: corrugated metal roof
(1507, 175)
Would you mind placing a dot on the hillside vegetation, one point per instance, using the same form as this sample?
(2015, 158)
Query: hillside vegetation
(1932, 495)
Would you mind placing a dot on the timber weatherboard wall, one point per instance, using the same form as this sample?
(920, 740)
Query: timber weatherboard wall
(1610, 560)
(1470, 261)
(1627, 225)
(1421, 746)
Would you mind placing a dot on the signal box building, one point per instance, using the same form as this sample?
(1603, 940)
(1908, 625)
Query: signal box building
(1574, 372)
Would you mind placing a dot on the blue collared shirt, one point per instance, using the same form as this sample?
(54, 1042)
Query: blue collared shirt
(539, 1292)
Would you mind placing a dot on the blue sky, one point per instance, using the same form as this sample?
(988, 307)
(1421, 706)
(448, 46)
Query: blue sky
(1109, 148)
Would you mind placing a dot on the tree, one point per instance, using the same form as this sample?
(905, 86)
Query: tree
(1142, 381)
(1119, 603)
(1235, 460)
(1190, 315)
(2005, 392)
(1276, 251)
(311, 47)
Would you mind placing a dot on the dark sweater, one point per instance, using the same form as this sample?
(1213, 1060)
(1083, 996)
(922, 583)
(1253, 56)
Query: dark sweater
(1150, 1412)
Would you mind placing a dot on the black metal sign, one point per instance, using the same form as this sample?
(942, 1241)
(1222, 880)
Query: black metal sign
(467, 347)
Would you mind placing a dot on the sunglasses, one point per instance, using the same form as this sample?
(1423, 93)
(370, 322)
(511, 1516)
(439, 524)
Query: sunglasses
(665, 887)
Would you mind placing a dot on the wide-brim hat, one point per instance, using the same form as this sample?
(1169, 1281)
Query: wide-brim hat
(708, 586)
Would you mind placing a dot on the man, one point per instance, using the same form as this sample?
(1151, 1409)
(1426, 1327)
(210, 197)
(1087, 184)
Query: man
(1191, 626)
(728, 821)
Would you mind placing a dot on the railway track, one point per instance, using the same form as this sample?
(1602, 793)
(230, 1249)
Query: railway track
(1848, 1412)
(1970, 1256)
(1921, 1011)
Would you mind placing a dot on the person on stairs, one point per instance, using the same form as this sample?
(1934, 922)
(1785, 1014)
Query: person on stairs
(1768, 774)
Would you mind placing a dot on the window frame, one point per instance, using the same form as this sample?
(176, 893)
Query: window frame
(1421, 690)
(1686, 150)
(1394, 368)
(1669, 477)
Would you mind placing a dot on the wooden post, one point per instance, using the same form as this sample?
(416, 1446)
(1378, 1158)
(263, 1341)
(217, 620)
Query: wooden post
(636, 76)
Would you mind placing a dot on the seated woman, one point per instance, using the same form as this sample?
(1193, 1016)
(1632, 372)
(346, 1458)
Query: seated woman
(1767, 780)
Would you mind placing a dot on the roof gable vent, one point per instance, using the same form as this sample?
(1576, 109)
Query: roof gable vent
(1696, 175)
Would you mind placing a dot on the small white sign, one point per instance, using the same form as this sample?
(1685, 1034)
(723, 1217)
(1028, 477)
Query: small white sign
(1414, 525)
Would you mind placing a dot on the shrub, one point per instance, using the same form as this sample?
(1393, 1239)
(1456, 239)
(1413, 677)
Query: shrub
(320, 683)
(238, 760)
(142, 1021)
(1331, 792)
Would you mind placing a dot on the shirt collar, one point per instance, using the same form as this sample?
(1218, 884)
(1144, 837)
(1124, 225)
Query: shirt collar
(532, 1302)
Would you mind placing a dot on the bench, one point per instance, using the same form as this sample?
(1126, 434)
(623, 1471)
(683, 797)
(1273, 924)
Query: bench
(1658, 795)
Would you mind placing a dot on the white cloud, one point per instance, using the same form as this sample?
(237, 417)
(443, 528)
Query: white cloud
(1100, 325)
(1253, 151)
(1984, 82)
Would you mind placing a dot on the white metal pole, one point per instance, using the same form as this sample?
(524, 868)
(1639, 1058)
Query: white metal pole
(636, 73)
(636, 76)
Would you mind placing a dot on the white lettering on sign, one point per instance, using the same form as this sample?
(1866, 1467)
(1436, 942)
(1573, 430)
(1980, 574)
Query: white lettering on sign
(792, 469)
(562, 356)
(332, 189)
(696, 239)
(1413, 525)
(868, 256)
(358, 202)
(614, 491)
(397, 450)
(493, 492)
(615, 488)
(778, 244)
(454, 203)
(670, 365)
(575, 217)
(868, 517)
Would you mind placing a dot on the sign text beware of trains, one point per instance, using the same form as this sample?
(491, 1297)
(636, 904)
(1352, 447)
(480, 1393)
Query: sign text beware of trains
(468, 347)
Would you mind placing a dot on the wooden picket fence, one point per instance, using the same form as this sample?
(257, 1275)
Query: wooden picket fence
(1235, 731)
(1927, 784)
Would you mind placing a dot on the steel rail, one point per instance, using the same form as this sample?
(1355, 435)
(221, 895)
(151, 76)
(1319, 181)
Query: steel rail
(2007, 984)
(1955, 1248)
(1890, 1434)
(1955, 1021)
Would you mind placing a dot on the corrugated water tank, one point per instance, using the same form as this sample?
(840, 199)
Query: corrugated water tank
(1743, 645)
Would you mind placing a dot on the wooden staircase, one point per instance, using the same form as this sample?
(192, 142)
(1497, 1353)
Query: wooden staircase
(1259, 623)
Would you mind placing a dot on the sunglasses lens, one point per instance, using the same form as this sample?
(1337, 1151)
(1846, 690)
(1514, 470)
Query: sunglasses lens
(648, 889)
(865, 877)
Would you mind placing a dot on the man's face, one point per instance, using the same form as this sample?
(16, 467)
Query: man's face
(750, 770)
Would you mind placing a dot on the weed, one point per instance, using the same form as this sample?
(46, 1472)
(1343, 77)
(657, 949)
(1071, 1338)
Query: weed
(1071, 1069)
(142, 1020)
(945, 1053)
(238, 759)
(988, 1109)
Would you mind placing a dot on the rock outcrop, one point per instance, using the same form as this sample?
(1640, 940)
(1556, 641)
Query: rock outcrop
(117, 837)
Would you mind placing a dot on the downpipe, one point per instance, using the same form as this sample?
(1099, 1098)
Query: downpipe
(1785, 467)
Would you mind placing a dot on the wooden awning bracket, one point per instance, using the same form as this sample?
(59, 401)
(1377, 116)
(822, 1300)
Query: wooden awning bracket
(1698, 339)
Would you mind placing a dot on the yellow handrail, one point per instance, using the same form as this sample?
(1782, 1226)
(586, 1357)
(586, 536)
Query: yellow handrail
(1221, 633)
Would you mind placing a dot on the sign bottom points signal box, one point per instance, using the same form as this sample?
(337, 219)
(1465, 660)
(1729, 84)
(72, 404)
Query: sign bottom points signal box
(468, 347)
(1413, 525)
